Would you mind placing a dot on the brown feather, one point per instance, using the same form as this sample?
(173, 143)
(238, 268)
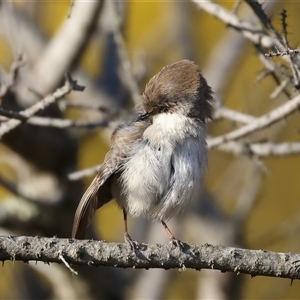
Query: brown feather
(100, 190)
(178, 88)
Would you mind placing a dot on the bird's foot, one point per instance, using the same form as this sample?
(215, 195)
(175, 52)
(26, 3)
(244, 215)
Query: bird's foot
(177, 243)
(134, 245)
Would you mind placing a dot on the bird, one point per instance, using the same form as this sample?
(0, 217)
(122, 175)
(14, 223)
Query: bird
(156, 163)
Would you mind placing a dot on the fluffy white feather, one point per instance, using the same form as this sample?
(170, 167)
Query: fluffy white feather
(164, 170)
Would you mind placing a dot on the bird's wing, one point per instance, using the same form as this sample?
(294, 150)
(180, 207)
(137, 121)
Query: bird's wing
(99, 191)
(91, 201)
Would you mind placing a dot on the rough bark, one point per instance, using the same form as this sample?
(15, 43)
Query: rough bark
(166, 256)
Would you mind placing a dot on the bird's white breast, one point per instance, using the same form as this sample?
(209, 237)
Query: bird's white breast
(165, 168)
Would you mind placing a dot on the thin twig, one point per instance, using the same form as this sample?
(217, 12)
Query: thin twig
(229, 18)
(287, 46)
(70, 8)
(279, 89)
(232, 115)
(72, 36)
(283, 53)
(236, 6)
(284, 28)
(55, 122)
(60, 256)
(276, 72)
(126, 68)
(42, 104)
(262, 122)
(261, 149)
(13, 74)
(265, 20)
(10, 114)
(83, 173)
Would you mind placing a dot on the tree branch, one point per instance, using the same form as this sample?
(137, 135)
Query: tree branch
(255, 35)
(13, 74)
(56, 122)
(232, 115)
(100, 253)
(72, 37)
(77, 175)
(262, 122)
(42, 104)
(126, 66)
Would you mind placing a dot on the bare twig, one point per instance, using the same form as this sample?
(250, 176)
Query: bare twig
(279, 89)
(284, 28)
(99, 253)
(276, 72)
(236, 6)
(261, 149)
(232, 115)
(265, 20)
(83, 173)
(55, 122)
(283, 53)
(42, 104)
(287, 46)
(126, 68)
(261, 122)
(255, 35)
(13, 74)
(61, 257)
(9, 114)
(72, 37)
(70, 8)
(63, 123)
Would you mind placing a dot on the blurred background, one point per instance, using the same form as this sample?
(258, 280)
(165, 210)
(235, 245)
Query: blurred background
(114, 48)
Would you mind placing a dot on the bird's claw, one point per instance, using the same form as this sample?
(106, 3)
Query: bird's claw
(177, 243)
(134, 245)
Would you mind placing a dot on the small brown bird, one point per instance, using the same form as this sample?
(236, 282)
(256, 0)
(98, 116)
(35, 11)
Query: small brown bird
(156, 164)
